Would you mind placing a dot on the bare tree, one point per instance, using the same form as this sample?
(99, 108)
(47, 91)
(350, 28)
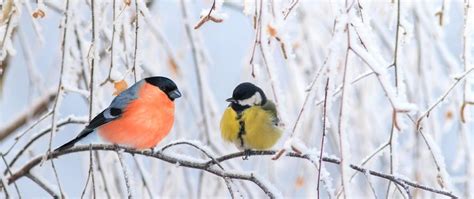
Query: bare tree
(375, 97)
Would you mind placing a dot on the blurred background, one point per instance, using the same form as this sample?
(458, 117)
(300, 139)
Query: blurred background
(399, 104)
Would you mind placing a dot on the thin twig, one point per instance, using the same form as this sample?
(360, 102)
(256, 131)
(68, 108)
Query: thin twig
(83, 193)
(197, 70)
(59, 93)
(394, 114)
(8, 28)
(367, 177)
(208, 17)
(126, 175)
(369, 157)
(69, 120)
(441, 13)
(56, 176)
(135, 50)
(395, 52)
(287, 12)
(442, 97)
(59, 90)
(467, 38)
(196, 147)
(227, 181)
(36, 109)
(143, 175)
(44, 185)
(102, 174)
(93, 61)
(114, 30)
(340, 128)
(391, 153)
(263, 55)
(258, 33)
(10, 172)
(267, 67)
(364, 56)
(90, 176)
(326, 88)
(4, 188)
(338, 90)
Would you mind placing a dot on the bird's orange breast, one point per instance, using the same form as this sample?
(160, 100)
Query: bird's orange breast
(144, 122)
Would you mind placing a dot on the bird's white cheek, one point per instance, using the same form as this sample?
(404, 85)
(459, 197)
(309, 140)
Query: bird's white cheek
(255, 99)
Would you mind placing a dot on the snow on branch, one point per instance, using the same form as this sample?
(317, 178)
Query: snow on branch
(39, 107)
(208, 166)
(399, 99)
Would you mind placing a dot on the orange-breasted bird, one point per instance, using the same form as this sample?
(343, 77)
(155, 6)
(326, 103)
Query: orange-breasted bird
(139, 117)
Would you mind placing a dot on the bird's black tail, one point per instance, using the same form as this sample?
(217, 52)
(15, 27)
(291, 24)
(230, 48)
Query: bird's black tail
(68, 144)
(71, 143)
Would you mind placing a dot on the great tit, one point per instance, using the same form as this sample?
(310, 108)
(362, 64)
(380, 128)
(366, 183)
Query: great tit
(251, 120)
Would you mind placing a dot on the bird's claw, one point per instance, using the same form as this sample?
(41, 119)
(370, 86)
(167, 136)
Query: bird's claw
(246, 154)
(149, 150)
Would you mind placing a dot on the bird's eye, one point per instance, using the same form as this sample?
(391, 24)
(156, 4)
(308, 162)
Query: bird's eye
(115, 112)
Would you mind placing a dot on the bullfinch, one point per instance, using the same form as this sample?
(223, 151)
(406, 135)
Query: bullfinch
(139, 117)
(251, 120)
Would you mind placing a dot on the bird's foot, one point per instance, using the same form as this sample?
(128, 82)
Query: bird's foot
(149, 150)
(247, 153)
(152, 150)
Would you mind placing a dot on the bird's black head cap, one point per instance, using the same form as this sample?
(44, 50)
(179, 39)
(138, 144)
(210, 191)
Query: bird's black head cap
(166, 85)
(245, 91)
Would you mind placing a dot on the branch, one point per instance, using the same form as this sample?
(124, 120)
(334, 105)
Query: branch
(38, 108)
(197, 69)
(93, 62)
(333, 160)
(205, 166)
(10, 172)
(60, 90)
(135, 50)
(144, 176)
(289, 9)
(40, 182)
(114, 29)
(442, 97)
(208, 17)
(126, 175)
(208, 154)
(69, 120)
(208, 166)
(323, 135)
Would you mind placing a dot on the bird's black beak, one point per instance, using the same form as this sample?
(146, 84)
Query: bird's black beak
(174, 94)
(232, 100)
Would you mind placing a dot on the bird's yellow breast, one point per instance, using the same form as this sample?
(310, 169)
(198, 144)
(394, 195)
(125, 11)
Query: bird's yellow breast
(229, 125)
(259, 131)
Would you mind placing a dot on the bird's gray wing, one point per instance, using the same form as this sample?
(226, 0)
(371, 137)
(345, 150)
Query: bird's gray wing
(116, 107)
(114, 111)
(270, 107)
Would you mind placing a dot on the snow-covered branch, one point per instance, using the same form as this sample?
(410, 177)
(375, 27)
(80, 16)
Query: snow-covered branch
(208, 166)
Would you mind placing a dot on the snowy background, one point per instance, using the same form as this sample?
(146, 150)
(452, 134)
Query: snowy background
(400, 104)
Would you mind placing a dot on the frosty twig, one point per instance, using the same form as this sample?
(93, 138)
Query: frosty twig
(208, 166)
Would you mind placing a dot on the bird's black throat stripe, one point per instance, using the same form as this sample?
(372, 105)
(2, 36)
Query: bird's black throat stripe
(239, 108)
(241, 129)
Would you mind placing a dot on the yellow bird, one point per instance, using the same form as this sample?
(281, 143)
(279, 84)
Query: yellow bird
(251, 120)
